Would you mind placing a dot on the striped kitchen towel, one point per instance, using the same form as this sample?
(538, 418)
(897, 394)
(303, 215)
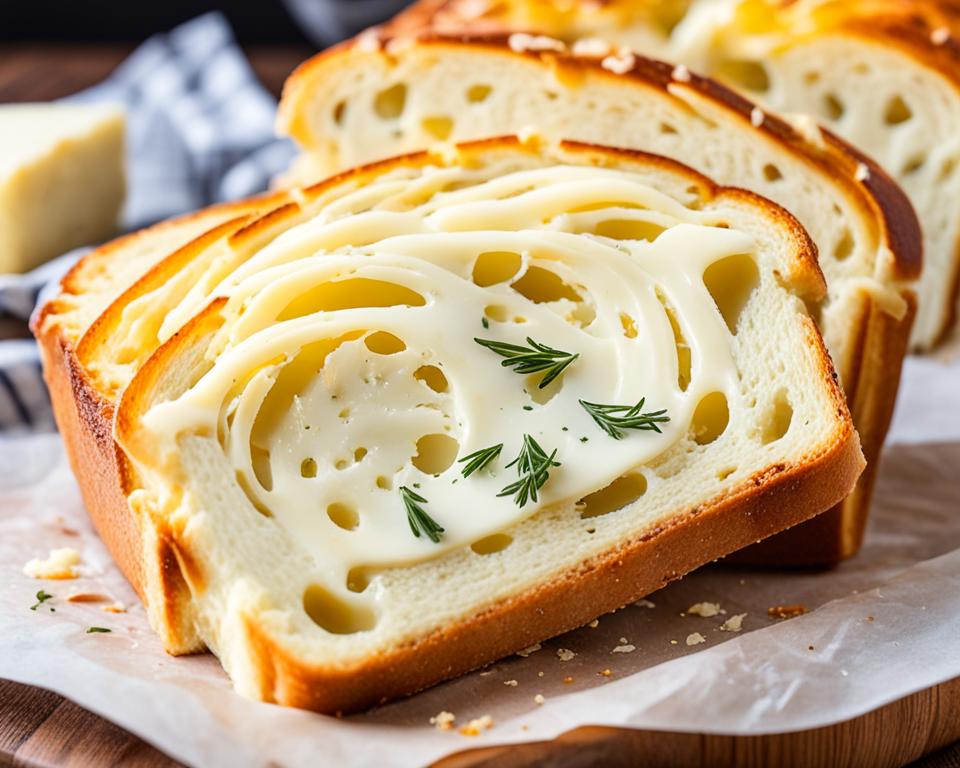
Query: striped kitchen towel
(199, 130)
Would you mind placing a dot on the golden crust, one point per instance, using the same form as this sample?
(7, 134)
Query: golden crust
(773, 499)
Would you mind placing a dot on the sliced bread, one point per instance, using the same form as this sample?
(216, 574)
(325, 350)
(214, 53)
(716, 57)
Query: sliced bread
(315, 438)
(380, 94)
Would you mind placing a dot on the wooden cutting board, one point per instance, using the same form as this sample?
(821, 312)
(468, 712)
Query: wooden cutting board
(39, 728)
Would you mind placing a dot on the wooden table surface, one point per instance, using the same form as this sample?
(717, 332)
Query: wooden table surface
(40, 728)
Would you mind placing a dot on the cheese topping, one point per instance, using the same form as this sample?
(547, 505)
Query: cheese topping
(343, 373)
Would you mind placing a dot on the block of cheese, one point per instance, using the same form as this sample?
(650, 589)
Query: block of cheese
(61, 179)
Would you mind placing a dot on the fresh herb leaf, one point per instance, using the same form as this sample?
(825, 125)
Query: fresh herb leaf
(612, 419)
(479, 459)
(484, 322)
(533, 466)
(42, 597)
(92, 630)
(531, 359)
(420, 521)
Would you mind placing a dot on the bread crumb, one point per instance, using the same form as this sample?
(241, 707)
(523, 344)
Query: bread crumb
(673, 642)
(521, 41)
(940, 36)
(624, 640)
(605, 672)
(444, 721)
(707, 610)
(734, 623)
(60, 564)
(619, 63)
(478, 726)
(565, 654)
(87, 597)
(511, 683)
(695, 638)
(757, 117)
(527, 651)
(539, 674)
(863, 172)
(681, 74)
(809, 647)
(627, 648)
(594, 624)
(591, 46)
(645, 604)
(786, 611)
(539, 698)
(568, 680)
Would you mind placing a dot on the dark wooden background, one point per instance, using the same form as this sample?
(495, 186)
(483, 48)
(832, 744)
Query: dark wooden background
(39, 728)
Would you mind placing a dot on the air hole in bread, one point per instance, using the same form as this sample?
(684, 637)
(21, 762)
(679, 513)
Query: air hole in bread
(308, 468)
(389, 103)
(731, 281)
(684, 357)
(495, 267)
(492, 544)
(629, 229)
(777, 419)
(433, 377)
(771, 172)
(435, 453)
(358, 579)
(383, 343)
(497, 312)
(542, 286)
(833, 107)
(384, 483)
(748, 75)
(353, 293)
(667, 129)
(914, 164)
(710, 418)
(478, 93)
(897, 111)
(542, 396)
(343, 516)
(844, 247)
(629, 325)
(438, 126)
(621, 492)
(723, 474)
(335, 615)
(339, 111)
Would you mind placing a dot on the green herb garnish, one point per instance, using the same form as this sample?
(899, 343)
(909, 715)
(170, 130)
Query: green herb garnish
(531, 359)
(42, 597)
(612, 419)
(92, 630)
(484, 322)
(479, 459)
(533, 466)
(420, 521)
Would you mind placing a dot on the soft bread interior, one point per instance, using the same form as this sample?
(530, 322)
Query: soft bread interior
(261, 583)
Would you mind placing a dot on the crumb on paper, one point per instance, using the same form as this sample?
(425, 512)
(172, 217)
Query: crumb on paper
(592, 47)
(538, 699)
(626, 648)
(706, 610)
(568, 679)
(619, 63)
(605, 672)
(681, 74)
(477, 726)
(511, 683)
(734, 623)
(939, 36)
(594, 624)
(695, 638)
(809, 647)
(521, 41)
(673, 642)
(565, 654)
(786, 611)
(444, 721)
(623, 641)
(645, 603)
(60, 564)
(539, 674)
(87, 597)
(527, 651)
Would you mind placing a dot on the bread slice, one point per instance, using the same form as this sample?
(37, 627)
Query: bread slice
(883, 74)
(267, 438)
(380, 94)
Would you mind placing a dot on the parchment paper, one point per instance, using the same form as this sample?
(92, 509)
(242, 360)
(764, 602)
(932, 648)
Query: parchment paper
(878, 628)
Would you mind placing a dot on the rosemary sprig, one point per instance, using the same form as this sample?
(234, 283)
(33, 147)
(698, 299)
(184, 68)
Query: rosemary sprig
(479, 459)
(42, 597)
(612, 419)
(420, 521)
(531, 359)
(533, 466)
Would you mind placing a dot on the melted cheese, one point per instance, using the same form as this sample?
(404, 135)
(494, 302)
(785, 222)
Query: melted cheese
(343, 372)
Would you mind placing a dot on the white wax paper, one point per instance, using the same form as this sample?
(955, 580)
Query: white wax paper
(878, 628)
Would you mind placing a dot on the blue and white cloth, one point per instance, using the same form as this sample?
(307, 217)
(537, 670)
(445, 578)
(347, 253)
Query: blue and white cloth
(199, 131)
